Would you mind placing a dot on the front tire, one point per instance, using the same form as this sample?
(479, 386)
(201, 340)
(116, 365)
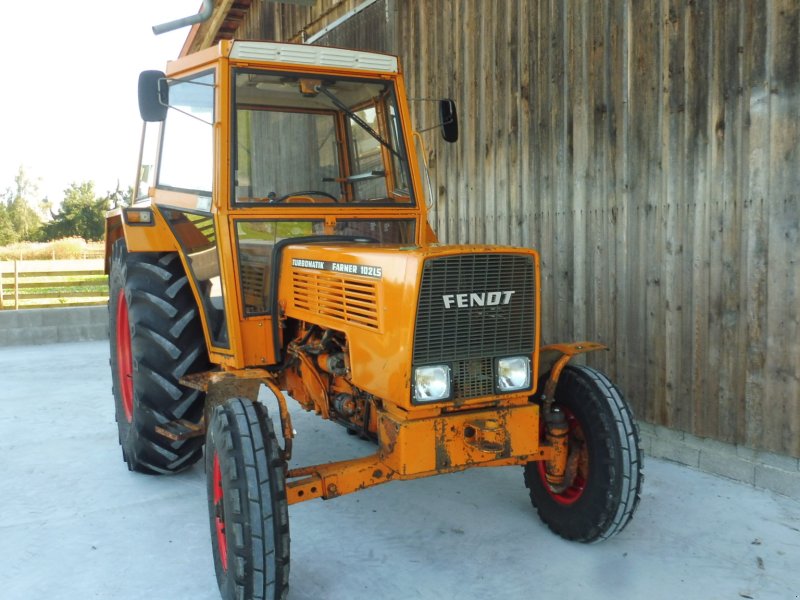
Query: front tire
(604, 493)
(247, 504)
(156, 338)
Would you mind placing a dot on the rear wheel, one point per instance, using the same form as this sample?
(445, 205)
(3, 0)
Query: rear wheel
(603, 442)
(247, 504)
(156, 337)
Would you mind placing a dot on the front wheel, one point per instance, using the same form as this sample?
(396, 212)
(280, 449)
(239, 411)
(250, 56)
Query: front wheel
(247, 502)
(604, 489)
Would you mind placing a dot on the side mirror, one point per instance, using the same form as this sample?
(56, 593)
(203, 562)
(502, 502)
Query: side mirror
(153, 96)
(448, 117)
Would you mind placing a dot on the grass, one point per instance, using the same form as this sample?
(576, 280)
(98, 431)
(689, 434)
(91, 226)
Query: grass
(66, 248)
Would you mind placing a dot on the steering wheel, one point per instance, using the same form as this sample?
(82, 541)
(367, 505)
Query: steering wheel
(308, 194)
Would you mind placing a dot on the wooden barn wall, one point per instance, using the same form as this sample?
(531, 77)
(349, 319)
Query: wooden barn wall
(649, 150)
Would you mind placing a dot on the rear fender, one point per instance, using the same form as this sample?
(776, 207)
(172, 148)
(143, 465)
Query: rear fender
(553, 359)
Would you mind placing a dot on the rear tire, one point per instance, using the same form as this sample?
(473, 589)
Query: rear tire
(156, 338)
(605, 492)
(247, 504)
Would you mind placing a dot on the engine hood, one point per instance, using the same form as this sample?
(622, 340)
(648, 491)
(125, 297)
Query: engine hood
(373, 293)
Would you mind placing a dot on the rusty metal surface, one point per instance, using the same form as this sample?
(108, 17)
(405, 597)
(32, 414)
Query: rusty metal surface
(181, 429)
(245, 383)
(202, 381)
(426, 447)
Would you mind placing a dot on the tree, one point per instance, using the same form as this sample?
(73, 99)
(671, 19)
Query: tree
(81, 214)
(18, 221)
(7, 233)
(119, 198)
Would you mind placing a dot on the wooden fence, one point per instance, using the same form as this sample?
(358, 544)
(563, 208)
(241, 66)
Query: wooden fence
(52, 283)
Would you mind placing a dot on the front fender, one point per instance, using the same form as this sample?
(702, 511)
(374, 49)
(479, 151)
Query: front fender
(553, 359)
(155, 236)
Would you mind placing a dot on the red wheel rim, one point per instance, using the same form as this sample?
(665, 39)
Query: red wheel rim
(219, 512)
(124, 358)
(573, 493)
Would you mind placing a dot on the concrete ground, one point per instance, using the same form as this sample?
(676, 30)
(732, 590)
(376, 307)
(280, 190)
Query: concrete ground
(75, 524)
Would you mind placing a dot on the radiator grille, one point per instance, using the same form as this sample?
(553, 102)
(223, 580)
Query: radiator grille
(478, 326)
(347, 300)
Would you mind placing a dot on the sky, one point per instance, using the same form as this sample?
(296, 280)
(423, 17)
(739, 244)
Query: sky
(68, 99)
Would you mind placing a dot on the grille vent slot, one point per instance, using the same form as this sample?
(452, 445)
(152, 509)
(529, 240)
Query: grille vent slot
(345, 299)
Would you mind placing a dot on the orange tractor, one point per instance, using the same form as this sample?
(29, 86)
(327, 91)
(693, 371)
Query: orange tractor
(278, 237)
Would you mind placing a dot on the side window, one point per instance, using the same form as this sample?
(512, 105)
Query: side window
(187, 146)
(197, 236)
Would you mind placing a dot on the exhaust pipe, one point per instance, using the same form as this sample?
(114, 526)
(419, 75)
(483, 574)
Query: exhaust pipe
(203, 15)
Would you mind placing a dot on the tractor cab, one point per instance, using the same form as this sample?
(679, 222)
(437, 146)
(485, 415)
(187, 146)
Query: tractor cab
(253, 143)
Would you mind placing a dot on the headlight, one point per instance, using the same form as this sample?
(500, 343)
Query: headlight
(513, 373)
(431, 383)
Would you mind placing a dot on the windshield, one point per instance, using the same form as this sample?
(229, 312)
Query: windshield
(307, 140)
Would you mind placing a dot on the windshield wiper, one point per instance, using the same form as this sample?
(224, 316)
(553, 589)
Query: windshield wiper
(361, 122)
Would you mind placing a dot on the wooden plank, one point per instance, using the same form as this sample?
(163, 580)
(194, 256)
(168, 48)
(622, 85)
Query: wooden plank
(696, 299)
(618, 188)
(52, 266)
(473, 110)
(721, 404)
(30, 295)
(672, 149)
(97, 302)
(498, 153)
(53, 283)
(678, 267)
(56, 276)
(644, 180)
(732, 405)
(529, 202)
(561, 250)
(511, 80)
(482, 205)
(713, 229)
(781, 412)
(577, 142)
(599, 316)
(541, 78)
(756, 185)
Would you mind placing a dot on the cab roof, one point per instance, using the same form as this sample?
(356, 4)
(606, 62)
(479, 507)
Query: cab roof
(304, 55)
